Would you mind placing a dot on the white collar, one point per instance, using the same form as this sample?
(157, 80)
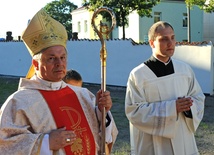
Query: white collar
(51, 85)
(165, 63)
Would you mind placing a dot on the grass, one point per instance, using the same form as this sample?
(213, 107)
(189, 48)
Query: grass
(122, 146)
(7, 87)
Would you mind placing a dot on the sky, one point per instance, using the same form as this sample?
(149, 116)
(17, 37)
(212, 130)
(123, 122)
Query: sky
(14, 14)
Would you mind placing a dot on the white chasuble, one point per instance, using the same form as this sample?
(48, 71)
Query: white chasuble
(150, 107)
(25, 118)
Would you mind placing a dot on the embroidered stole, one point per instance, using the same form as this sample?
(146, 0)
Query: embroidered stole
(67, 111)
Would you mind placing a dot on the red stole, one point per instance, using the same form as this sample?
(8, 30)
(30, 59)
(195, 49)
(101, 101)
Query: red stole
(67, 111)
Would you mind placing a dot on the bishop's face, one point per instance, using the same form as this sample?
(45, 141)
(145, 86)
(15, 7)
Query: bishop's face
(52, 65)
(164, 44)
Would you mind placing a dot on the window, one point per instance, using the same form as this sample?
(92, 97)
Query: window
(185, 18)
(85, 26)
(79, 27)
(157, 16)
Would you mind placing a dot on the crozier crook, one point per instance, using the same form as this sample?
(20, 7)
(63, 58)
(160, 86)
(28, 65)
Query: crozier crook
(103, 56)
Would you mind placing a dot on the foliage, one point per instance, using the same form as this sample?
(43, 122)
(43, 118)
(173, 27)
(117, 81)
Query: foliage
(210, 7)
(61, 10)
(122, 8)
(206, 5)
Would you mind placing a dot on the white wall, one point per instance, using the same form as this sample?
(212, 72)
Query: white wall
(122, 57)
(201, 59)
(14, 59)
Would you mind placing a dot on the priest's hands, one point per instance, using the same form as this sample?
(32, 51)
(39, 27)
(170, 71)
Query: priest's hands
(60, 138)
(183, 104)
(104, 100)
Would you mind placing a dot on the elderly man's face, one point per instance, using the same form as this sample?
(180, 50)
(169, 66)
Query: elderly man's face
(52, 66)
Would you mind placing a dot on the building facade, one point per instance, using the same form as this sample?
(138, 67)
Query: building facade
(81, 23)
(174, 12)
(208, 27)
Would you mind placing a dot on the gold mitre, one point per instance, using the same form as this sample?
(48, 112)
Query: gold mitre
(43, 32)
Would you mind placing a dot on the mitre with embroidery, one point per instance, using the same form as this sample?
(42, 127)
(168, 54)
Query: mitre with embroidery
(42, 32)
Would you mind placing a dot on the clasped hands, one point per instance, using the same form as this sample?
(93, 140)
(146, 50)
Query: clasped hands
(183, 104)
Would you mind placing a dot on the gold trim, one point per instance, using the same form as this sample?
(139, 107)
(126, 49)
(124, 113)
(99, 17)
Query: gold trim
(31, 72)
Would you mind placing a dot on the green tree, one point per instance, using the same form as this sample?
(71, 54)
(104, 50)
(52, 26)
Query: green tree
(206, 5)
(61, 10)
(122, 8)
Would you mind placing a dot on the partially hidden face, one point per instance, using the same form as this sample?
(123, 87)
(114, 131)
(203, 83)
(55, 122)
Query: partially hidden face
(52, 65)
(75, 82)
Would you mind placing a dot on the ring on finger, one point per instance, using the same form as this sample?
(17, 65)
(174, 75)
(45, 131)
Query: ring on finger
(68, 140)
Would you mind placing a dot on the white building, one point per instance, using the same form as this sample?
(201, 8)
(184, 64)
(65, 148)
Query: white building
(208, 27)
(172, 11)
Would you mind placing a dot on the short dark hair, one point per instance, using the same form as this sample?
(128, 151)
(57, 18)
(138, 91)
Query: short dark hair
(72, 75)
(155, 27)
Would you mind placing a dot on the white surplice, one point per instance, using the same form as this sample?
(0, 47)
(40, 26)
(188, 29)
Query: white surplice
(25, 118)
(150, 106)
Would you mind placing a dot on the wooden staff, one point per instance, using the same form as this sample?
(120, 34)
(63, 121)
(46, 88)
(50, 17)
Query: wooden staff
(103, 56)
